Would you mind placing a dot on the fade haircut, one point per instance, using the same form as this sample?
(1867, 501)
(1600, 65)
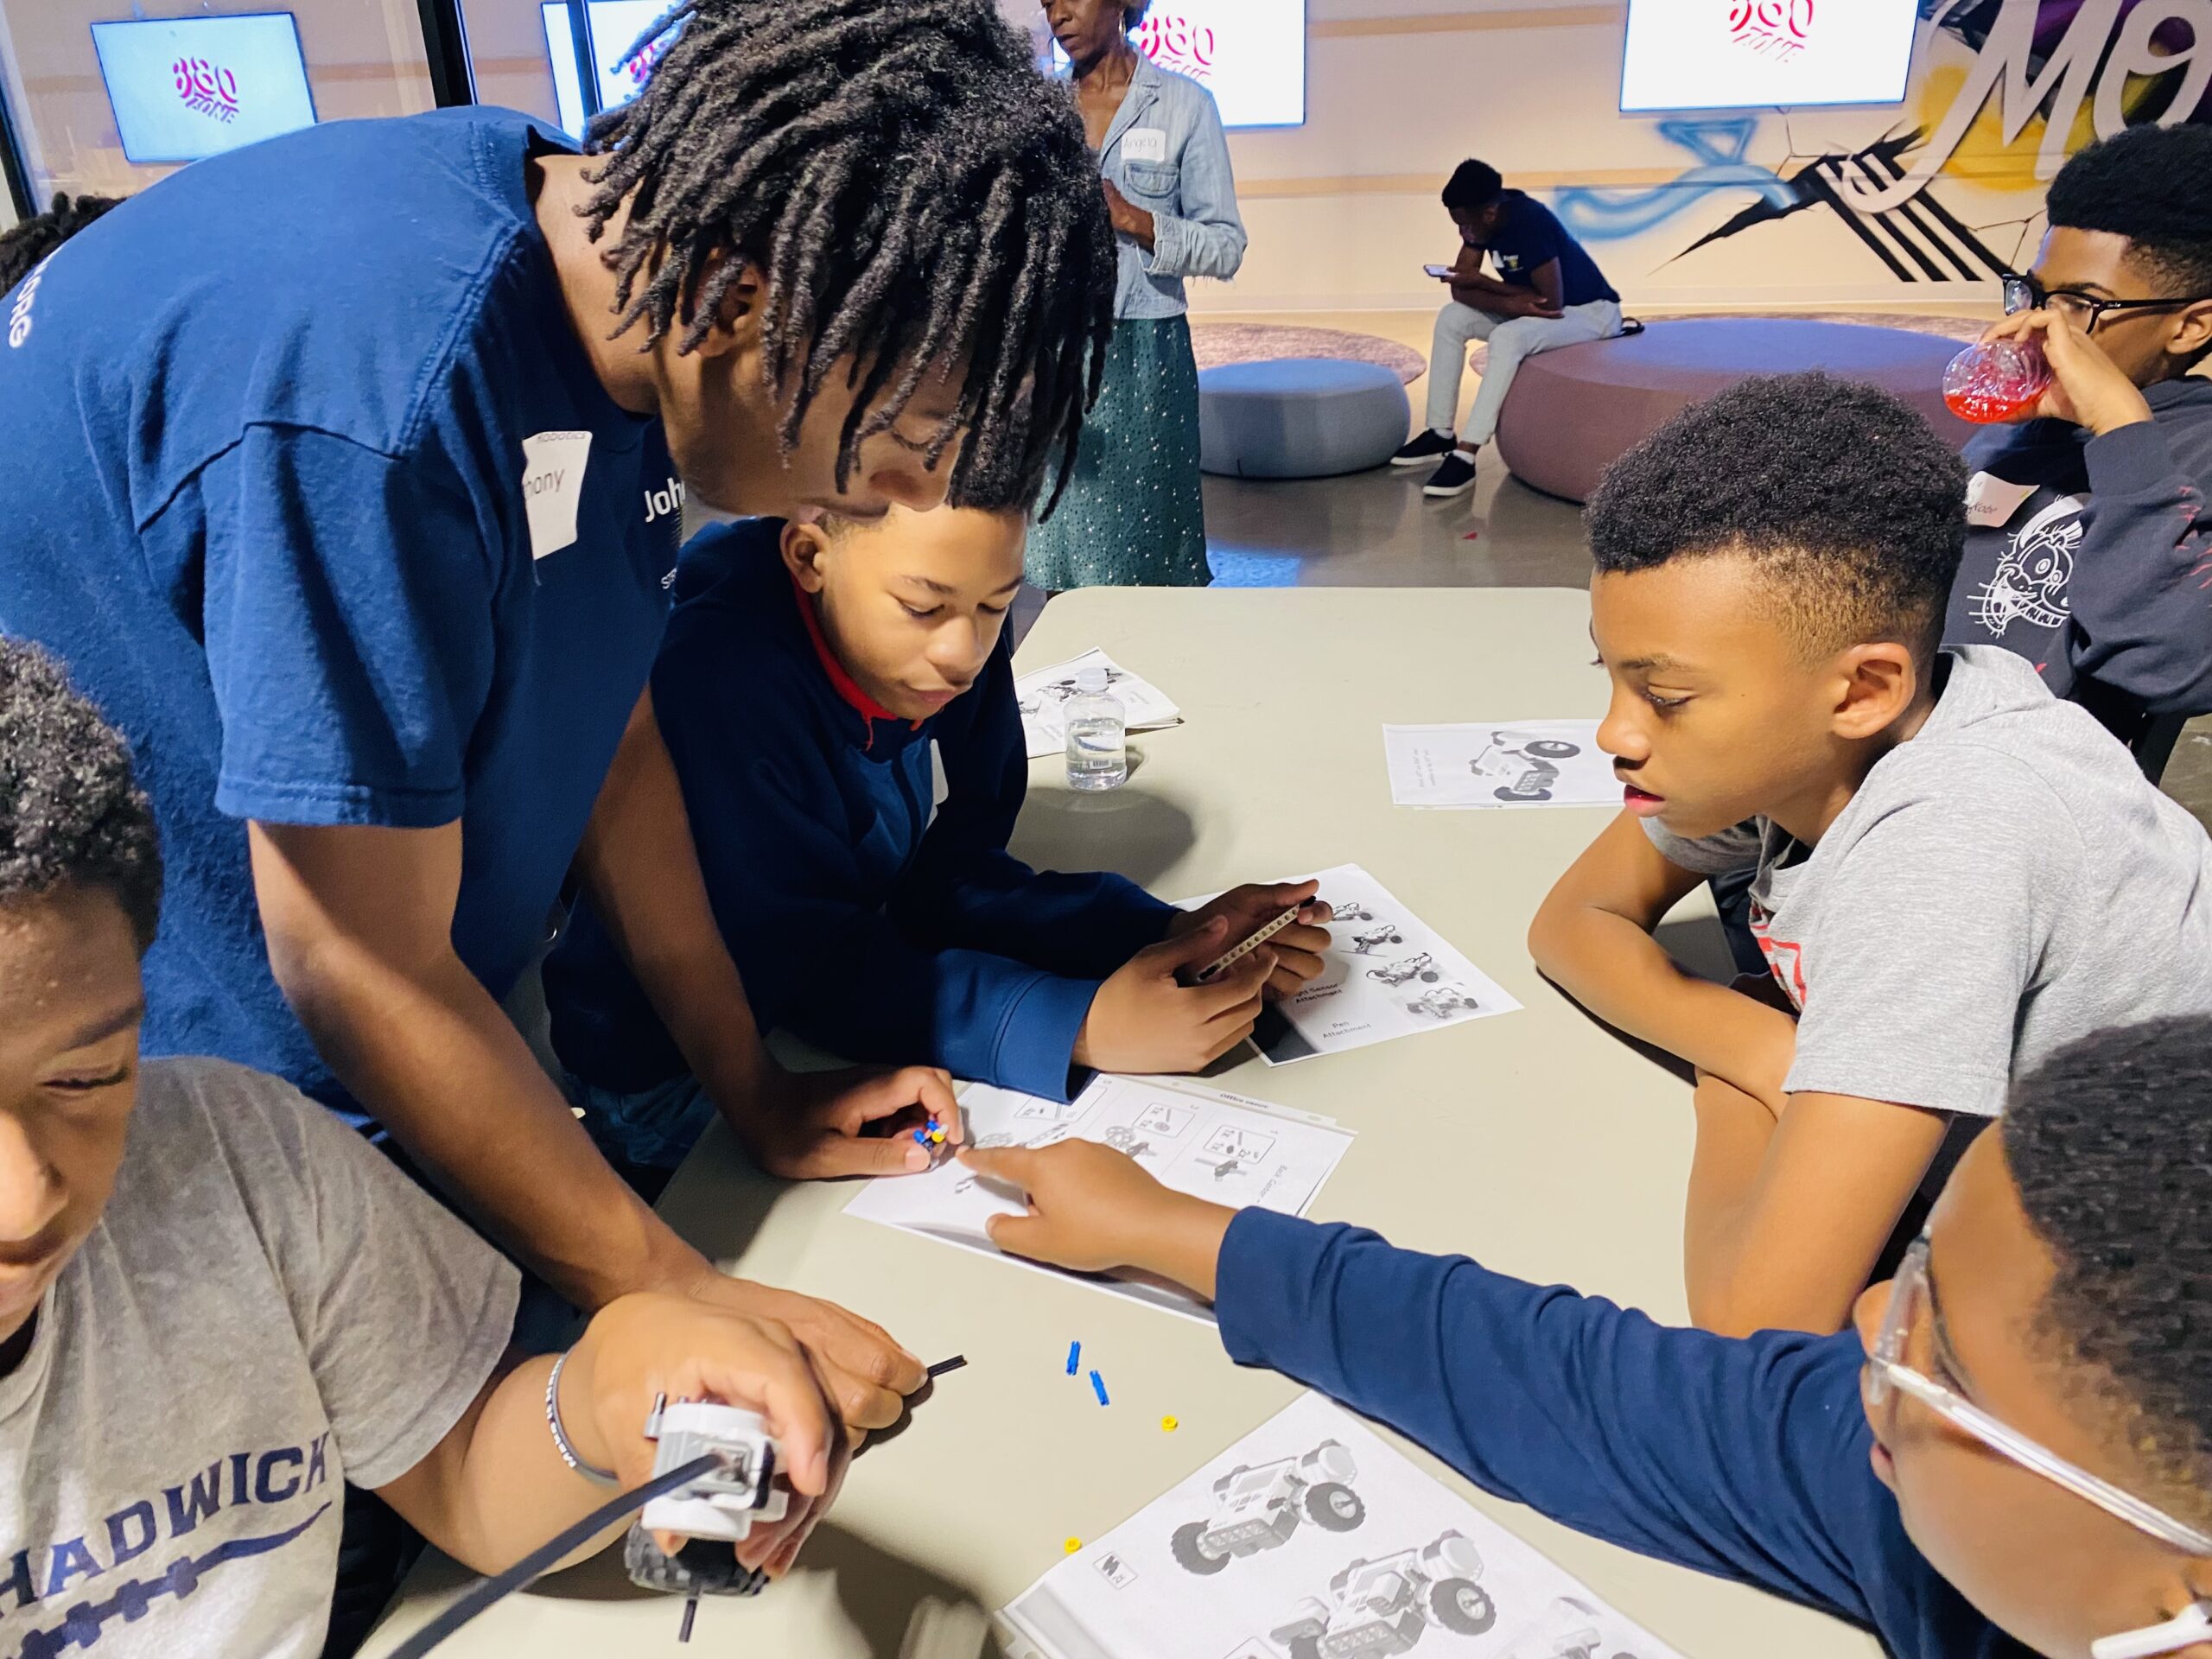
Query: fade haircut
(1472, 185)
(2109, 1141)
(913, 194)
(2153, 186)
(1851, 508)
(71, 815)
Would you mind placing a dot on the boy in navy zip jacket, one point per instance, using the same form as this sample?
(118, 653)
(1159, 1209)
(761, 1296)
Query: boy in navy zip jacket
(2011, 1454)
(2089, 552)
(838, 699)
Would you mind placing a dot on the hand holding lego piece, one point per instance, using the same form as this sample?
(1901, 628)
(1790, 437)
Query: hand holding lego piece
(1091, 1209)
(822, 1125)
(1145, 1020)
(1298, 948)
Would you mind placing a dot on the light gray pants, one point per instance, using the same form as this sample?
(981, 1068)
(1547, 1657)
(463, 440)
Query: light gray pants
(1510, 339)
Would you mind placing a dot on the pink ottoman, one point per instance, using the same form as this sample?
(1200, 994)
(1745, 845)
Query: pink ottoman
(1572, 413)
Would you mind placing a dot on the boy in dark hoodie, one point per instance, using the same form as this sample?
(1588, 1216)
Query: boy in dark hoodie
(2089, 552)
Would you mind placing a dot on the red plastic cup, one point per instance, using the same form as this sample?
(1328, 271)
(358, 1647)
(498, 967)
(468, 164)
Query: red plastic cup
(1996, 381)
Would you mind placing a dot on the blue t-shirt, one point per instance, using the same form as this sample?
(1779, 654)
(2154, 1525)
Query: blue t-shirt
(1529, 237)
(290, 444)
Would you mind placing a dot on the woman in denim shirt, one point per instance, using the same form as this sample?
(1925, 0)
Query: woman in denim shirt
(1132, 513)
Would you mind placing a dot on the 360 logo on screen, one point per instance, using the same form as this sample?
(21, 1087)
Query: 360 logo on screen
(1779, 28)
(206, 88)
(1174, 41)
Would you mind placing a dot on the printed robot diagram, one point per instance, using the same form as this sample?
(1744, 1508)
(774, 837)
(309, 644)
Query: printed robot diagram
(1527, 768)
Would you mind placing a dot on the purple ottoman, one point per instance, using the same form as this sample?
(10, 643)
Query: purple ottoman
(1573, 412)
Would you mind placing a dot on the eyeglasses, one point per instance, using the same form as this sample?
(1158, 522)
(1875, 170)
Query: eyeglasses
(2026, 294)
(1910, 1296)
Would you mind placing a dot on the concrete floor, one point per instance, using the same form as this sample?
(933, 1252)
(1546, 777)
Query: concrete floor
(1377, 529)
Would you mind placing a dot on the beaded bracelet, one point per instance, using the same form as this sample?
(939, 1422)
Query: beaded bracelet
(604, 1477)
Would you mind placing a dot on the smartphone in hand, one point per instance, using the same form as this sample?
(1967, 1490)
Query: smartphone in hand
(1442, 273)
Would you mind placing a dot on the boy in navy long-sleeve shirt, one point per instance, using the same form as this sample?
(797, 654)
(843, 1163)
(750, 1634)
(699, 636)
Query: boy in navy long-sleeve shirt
(838, 700)
(2012, 1454)
(2089, 552)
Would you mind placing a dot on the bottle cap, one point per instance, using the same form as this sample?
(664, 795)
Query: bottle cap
(1091, 680)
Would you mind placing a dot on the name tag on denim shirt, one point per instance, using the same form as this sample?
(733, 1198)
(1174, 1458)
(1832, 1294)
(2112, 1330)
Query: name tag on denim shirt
(1144, 145)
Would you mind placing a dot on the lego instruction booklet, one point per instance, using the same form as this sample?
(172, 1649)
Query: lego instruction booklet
(1386, 974)
(1220, 1147)
(1043, 695)
(1313, 1539)
(1498, 763)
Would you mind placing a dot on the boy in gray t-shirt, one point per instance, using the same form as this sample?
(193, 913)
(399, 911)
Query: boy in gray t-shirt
(1955, 873)
(218, 1304)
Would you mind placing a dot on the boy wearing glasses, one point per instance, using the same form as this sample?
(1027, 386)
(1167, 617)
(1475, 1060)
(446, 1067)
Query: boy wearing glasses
(1952, 872)
(2011, 1453)
(2089, 551)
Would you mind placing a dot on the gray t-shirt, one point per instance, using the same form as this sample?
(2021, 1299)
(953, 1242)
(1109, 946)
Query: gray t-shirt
(2003, 882)
(266, 1309)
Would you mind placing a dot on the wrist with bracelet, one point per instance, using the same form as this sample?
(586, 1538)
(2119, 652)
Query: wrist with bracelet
(561, 1443)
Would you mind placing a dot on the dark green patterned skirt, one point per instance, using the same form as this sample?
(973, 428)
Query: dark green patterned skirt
(1132, 515)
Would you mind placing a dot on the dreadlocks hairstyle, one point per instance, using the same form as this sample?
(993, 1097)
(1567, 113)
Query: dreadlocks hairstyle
(2109, 1141)
(26, 244)
(913, 194)
(71, 814)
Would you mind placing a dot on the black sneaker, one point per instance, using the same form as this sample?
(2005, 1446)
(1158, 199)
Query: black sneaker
(1427, 446)
(1455, 477)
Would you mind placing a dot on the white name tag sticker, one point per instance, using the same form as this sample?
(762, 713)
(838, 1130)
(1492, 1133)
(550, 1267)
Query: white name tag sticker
(1144, 145)
(552, 483)
(1990, 502)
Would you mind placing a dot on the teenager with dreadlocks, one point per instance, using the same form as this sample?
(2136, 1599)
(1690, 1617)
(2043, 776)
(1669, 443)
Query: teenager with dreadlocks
(347, 471)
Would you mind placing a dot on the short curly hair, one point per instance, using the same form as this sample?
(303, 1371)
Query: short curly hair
(2109, 1141)
(2148, 184)
(72, 815)
(1848, 503)
(1474, 185)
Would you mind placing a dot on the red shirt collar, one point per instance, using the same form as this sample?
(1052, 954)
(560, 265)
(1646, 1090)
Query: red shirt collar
(846, 687)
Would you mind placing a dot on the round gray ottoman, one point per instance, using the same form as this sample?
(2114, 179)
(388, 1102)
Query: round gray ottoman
(1300, 417)
(1573, 412)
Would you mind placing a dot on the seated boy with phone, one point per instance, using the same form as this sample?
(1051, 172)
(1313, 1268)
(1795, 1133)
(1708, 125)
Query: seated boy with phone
(1546, 293)
(838, 700)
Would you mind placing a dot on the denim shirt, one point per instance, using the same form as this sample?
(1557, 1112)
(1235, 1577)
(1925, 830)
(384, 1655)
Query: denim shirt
(1166, 151)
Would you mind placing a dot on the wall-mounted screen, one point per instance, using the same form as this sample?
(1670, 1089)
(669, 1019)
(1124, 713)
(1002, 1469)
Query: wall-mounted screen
(1725, 55)
(612, 28)
(186, 87)
(1251, 55)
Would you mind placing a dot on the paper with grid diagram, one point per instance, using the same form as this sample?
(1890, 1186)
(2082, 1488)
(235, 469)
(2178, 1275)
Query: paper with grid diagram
(1225, 1147)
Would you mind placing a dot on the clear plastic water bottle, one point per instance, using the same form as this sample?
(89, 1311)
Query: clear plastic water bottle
(1098, 741)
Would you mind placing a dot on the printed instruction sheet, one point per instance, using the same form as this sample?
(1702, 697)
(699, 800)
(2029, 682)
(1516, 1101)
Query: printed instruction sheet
(1386, 974)
(1523, 763)
(1313, 1539)
(1224, 1147)
(1042, 693)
